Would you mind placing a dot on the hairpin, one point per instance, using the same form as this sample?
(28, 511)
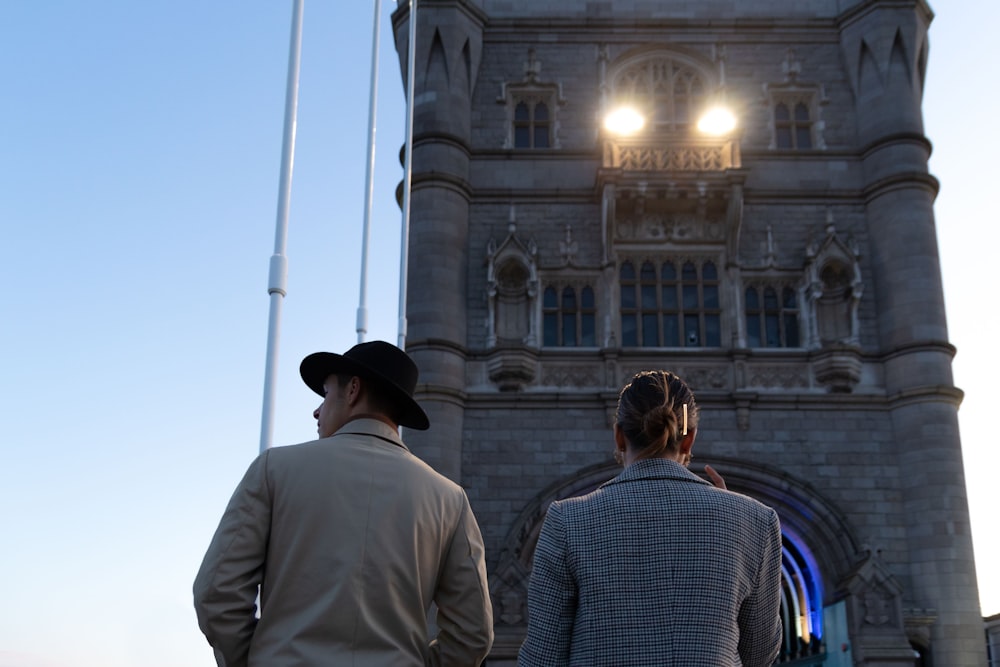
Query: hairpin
(685, 432)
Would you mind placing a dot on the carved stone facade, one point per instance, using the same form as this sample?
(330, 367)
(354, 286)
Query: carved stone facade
(787, 269)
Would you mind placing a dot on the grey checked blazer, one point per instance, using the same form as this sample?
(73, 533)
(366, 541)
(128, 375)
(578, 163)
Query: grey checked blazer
(656, 567)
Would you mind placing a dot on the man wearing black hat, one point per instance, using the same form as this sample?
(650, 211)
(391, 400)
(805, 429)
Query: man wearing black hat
(350, 538)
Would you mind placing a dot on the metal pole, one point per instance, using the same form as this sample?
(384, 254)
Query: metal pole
(407, 173)
(362, 323)
(278, 273)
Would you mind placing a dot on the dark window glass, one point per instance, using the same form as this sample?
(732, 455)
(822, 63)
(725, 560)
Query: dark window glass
(791, 330)
(672, 309)
(713, 331)
(783, 137)
(550, 328)
(647, 273)
(588, 332)
(791, 319)
(628, 296)
(569, 329)
(627, 275)
(803, 138)
(669, 297)
(629, 337)
(690, 297)
(770, 299)
(771, 330)
(691, 334)
(569, 316)
(753, 330)
(522, 137)
(671, 332)
(521, 112)
(569, 299)
(801, 113)
(771, 322)
(550, 322)
(649, 297)
(788, 298)
(711, 297)
(689, 273)
(649, 330)
(541, 136)
(587, 298)
(781, 113)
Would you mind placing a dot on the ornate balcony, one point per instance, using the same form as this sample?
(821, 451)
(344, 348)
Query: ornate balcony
(676, 156)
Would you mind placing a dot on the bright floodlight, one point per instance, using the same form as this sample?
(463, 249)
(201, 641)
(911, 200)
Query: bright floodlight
(717, 120)
(624, 120)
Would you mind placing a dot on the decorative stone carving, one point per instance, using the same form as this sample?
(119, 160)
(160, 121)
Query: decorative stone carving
(511, 289)
(838, 367)
(568, 248)
(875, 613)
(834, 289)
(510, 368)
(833, 293)
(571, 376)
(675, 156)
(667, 227)
(697, 378)
(770, 377)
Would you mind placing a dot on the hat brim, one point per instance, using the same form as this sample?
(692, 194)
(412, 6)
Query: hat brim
(317, 367)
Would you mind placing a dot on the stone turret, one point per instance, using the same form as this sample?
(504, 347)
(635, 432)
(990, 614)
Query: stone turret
(448, 48)
(885, 47)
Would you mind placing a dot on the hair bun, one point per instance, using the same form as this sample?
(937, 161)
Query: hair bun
(659, 425)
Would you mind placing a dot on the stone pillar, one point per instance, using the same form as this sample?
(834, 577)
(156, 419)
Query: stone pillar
(885, 46)
(448, 48)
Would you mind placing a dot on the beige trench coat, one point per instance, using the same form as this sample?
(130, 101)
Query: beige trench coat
(350, 538)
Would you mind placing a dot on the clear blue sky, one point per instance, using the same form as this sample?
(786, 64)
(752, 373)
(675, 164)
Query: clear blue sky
(138, 186)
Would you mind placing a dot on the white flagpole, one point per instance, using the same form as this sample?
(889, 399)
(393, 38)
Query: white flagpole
(278, 274)
(362, 322)
(407, 173)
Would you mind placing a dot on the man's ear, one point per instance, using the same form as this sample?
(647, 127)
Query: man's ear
(355, 388)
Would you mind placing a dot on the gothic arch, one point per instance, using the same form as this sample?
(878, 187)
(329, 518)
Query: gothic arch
(819, 545)
(670, 86)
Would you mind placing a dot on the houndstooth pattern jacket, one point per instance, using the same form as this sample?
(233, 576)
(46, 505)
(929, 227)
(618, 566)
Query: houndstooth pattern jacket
(656, 567)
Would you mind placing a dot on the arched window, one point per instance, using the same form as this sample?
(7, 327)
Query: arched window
(567, 320)
(792, 128)
(664, 308)
(771, 322)
(531, 124)
(666, 88)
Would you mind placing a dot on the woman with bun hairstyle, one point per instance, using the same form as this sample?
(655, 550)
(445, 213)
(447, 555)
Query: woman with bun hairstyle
(657, 566)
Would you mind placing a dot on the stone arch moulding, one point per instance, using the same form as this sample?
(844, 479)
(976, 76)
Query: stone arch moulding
(509, 580)
(641, 54)
(808, 520)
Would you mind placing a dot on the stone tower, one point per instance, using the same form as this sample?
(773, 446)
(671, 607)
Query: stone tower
(786, 268)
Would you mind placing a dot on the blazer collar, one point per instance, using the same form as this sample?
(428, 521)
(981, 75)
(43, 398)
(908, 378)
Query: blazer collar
(655, 469)
(372, 427)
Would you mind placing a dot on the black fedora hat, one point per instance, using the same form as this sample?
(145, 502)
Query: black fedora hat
(383, 363)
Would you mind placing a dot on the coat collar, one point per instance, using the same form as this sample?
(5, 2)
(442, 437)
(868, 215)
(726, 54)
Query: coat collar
(372, 427)
(655, 469)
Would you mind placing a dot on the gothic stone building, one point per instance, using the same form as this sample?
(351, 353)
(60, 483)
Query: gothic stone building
(787, 268)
